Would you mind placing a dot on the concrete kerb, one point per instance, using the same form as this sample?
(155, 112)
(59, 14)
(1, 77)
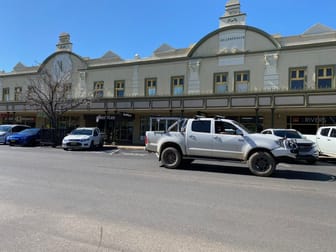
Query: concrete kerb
(126, 147)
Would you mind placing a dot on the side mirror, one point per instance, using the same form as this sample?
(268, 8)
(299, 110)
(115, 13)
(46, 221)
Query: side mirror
(239, 132)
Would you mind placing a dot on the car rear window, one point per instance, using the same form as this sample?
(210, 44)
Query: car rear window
(325, 132)
(201, 126)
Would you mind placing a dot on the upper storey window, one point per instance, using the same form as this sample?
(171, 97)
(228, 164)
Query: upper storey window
(242, 80)
(98, 89)
(177, 85)
(221, 83)
(297, 77)
(151, 86)
(18, 94)
(119, 88)
(5, 94)
(325, 76)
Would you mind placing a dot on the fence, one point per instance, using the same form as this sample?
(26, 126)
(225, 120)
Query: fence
(53, 137)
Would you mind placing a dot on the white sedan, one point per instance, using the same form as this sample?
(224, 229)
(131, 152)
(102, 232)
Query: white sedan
(83, 138)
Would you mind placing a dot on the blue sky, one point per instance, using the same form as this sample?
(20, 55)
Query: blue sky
(30, 29)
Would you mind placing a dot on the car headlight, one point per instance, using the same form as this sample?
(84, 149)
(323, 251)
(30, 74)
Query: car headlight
(280, 142)
(85, 139)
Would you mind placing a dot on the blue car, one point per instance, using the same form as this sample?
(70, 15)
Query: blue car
(27, 137)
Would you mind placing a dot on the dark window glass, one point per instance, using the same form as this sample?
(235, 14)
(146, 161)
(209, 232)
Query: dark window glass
(301, 73)
(320, 72)
(297, 84)
(293, 75)
(324, 132)
(329, 72)
(333, 133)
(201, 126)
(324, 83)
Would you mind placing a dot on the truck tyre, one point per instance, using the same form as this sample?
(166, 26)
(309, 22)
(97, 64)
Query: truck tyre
(262, 164)
(171, 158)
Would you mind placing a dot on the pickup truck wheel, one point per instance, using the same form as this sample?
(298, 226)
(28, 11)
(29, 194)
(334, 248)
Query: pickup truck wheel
(262, 164)
(171, 158)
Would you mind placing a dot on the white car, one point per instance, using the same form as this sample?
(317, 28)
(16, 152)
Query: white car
(83, 138)
(308, 150)
(325, 140)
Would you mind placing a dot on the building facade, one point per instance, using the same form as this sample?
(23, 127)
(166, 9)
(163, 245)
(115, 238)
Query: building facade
(237, 71)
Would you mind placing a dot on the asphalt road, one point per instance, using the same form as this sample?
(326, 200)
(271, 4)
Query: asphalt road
(121, 200)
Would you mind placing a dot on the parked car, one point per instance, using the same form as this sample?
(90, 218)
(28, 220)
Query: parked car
(27, 137)
(308, 150)
(220, 139)
(8, 129)
(83, 138)
(325, 140)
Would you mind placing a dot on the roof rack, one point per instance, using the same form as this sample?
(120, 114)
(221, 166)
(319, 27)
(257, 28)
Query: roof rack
(219, 117)
(199, 116)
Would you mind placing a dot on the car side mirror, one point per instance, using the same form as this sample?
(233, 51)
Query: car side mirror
(239, 132)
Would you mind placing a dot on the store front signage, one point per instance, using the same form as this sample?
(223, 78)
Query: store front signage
(313, 119)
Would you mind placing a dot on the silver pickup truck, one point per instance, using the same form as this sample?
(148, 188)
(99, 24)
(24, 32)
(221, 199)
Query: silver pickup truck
(219, 138)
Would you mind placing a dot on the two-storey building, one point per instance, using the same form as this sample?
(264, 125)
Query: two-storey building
(237, 71)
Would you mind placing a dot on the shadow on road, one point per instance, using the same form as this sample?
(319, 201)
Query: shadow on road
(280, 173)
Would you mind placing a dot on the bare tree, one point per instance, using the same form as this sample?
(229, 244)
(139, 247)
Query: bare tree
(51, 92)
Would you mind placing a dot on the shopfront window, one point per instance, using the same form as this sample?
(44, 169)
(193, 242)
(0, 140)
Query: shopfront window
(309, 124)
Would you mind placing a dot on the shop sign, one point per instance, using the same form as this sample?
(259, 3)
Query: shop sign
(108, 117)
(313, 119)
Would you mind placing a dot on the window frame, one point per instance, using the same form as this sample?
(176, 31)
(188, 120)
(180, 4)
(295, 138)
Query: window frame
(201, 126)
(221, 83)
(98, 89)
(325, 76)
(297, 78)
(178, 85)
(153, 85)
(246, 82)
(119, 85)
(18, 95)
(5, 95)
(68, 90)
